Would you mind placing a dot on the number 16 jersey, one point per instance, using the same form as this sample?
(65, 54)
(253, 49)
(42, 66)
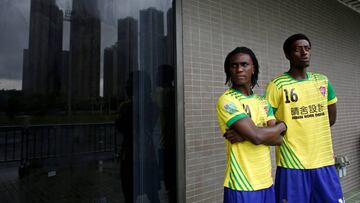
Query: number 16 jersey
(302, 105)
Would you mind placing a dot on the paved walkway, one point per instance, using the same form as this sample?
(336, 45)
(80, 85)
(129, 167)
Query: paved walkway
(353, 196)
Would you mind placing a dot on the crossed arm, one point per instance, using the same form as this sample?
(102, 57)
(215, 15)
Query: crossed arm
(245, 129)
(332, 114)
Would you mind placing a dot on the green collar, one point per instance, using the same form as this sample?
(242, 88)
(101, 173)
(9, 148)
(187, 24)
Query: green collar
(250, 96)
(307, 77)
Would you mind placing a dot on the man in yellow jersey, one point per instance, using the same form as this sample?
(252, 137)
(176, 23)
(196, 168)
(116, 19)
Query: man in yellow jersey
(248, 170)
(305, 101)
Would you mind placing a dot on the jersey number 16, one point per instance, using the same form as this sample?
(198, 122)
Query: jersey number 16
(293, 96)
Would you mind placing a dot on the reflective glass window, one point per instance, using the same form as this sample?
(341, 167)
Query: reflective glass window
(87, 101)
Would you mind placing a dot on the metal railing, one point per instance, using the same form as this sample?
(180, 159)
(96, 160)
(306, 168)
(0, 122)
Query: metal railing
(19, 143)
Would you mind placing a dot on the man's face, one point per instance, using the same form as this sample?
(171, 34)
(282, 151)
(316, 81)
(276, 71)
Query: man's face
(300, 53)
(241, 69)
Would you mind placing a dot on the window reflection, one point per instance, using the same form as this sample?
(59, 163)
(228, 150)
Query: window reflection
(87, 101)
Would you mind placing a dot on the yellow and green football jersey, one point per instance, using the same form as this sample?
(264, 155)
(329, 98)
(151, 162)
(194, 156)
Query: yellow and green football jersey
(302, 105)
(248, 166)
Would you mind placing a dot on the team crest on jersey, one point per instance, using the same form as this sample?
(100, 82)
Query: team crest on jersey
(230, 108)
(323, 90)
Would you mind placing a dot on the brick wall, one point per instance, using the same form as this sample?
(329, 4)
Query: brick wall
(212, 28)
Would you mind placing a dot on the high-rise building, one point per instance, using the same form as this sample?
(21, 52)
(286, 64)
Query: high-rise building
(64, 74)
(121, 59)
(42, 60)
(85, 34)
(152, 42)
(170, 37)
(26, 80)
(111, 72)
(128, 49)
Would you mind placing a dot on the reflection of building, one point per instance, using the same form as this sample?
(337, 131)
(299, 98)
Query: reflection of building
(26, 80)
(84, 50)
(64, 73)
(152, 41)
(128, 52)
(170, 39)
(111, 69)
(41, 62)
(120, 59)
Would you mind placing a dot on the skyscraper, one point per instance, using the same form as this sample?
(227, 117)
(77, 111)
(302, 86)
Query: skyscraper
(41, 74)
(170, 37)
(85, 34)
(128, 48)
(64, 74)
(152, 42)
(111, 72)
(26, 80)
(121, 59)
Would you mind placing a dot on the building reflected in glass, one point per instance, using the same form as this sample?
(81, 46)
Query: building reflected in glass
(87, 101)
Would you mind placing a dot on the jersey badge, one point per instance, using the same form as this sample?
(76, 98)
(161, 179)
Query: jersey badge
(323, 90)
(230, 108)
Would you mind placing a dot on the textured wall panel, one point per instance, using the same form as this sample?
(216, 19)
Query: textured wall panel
(213, 28)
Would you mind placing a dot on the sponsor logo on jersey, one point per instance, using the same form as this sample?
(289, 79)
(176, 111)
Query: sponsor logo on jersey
(230, 108)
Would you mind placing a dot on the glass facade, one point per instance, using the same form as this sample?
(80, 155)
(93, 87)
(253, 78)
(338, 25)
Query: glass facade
(87, 101)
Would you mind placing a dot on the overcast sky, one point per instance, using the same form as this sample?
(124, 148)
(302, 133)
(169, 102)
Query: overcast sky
(14, 26)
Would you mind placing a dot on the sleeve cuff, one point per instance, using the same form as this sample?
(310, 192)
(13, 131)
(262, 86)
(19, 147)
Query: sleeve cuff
(235, 118)
(333, 101)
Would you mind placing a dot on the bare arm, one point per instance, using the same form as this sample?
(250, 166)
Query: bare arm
(332, 114)
(257, 135)
(279, 139)
(235, 137)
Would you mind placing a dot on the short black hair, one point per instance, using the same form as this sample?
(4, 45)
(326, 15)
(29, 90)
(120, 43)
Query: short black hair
(244, 50)
(289, 41)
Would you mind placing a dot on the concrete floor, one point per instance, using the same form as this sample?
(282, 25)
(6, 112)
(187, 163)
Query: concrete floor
(87, 182)
(353, 196)
(83, 183)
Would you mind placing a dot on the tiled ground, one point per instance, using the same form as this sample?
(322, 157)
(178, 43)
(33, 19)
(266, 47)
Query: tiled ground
(353, 196)
(87, 183)
(91, 182)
